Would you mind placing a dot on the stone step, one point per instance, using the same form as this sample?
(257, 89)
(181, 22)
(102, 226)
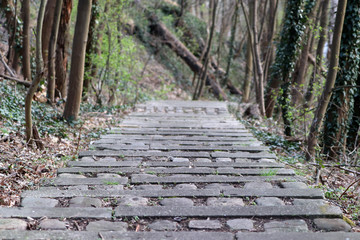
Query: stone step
(116, 147)
(307, 211)
(142, 178)
(299, 236)
(56, 193)
(181, 133)
(177, 142)
(48, 192)
(94, 235)
(193, 154)
(247, 164)
(179, 170)
(176, 138)
(49, 212)
(71, 181)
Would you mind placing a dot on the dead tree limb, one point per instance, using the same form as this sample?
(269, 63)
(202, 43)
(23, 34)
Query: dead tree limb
(158, 29)
(25, 83)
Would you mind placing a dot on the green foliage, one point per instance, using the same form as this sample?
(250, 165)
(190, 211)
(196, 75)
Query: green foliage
(12, 108)
(287, 51)
(337, 122)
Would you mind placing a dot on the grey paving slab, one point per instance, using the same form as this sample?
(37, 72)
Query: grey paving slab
(332, 225)
(12, 224)
(298, 236)
(168, 235)
(210, 164)
(109, 153)
(142, 178)
(38, 202)
(163, 225)
(104, 164)
(103, 225)
(75, 212)
(52, 224)
(55, 234)
(243, 155)
(225, 211)
(240, 224)
(207, 148)
(276, 192)
(86, 181)
(205, 224)
(55, 193)
(286, 226)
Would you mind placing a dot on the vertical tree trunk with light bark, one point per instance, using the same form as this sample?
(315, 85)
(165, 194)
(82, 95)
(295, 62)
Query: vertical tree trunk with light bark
(61, 58)
(72, 105)
(25, 9)
(330, 82)
(52, 51)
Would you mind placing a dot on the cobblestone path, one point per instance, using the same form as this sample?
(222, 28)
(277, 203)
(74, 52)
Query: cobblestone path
(176, 170)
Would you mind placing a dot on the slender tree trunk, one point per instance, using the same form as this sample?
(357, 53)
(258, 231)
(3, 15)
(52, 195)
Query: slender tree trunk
(330, 81)
(26, 40)
(36, 81)
(231, 43)
(317, 71)
(299, 80)
(203, 73)
(46, 30)
(61, 58)
(72, 105)
(51, 52)
(341, 106)
(91, 48)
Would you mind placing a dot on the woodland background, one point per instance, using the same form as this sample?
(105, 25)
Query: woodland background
(71, 68)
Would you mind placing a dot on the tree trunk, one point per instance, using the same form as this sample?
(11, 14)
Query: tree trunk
(51, 52)
(299, 80)
(330, 81)
(341, 106)
(317, 70)
(46, 30)
(26, 39)
(72, 105)
(61, 58)
(36, 81)
(90, 48)
(202, 75)
(249, 60)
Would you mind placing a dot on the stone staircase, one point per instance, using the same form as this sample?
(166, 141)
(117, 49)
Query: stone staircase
(176, 170)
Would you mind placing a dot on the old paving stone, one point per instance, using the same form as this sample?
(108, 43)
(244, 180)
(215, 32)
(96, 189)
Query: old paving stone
(12, 224)
(85, 202)
(70, 175)
(220, 186)
(223, 160)
(203, 160)
(149, 187)
(269, 201)
(103, 225)
(180, 159)
(286, 226)
(38, 202)
(132, 201)
(309, 201)
(300, 185)
(240, 224)
(185, 187)
(257, 185)
(163, 225)
(180, 202)
(52, 224)
(332, 225)
(108, 175)
(224, 201)
(205, 224)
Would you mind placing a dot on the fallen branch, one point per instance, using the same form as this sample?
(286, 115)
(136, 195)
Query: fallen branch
(6, 66)
(22, 82)
(352, 184)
